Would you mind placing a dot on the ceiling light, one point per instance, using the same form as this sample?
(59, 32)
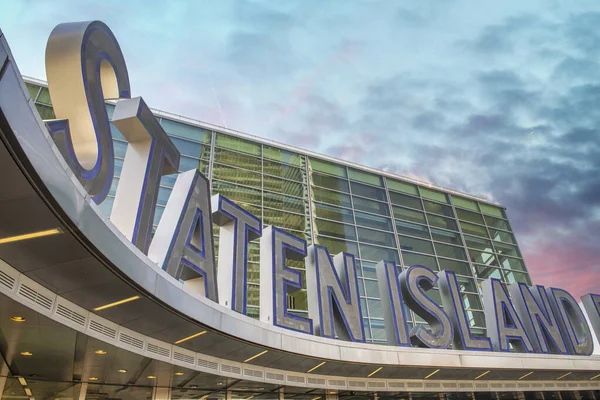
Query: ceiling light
(194, 386)
(562, 376)
(122, 371)
(100, 352)
(190, 337)
(432, 374)
(316, 398)
(32, 235)
(256, 356)
(249, 397)
(116, 303)
(315, 367)
(526, 375)
(28, 392)
(26, 354)
(374, 372)
(331, 392)
(151, 377)
(23, 382)
(92, 378)
(17, 319)
(484, 374)
(179, 373)
(594, 377)
(219, 383)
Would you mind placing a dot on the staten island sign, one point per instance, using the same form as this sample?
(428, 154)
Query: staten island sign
(85, 67)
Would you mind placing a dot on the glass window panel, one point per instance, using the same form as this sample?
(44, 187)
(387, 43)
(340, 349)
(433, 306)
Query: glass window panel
(283, 171)
(376, 237)
(371, 206)
(379, 334)
(478, 243)
(476, 318)
(113, 187)
(365, 177)
(33, 90)
(484, 272)
(501, 236)
(335, 229)
(377, 254)
(418, 245)
(327, 167)
(373, 221)
(369, 270)
(237, 144)
(45, 111)
(403, 187)
(253, 294)
(163, 196)
(492, 210)
(482, 257)
(188, 163)
(336, 246)
(368, 191)
(466, 284)
(375, 310)
(446, 250)
(116, 133)
(284, 219)
(497, 223)
(507, 250)
(283, 202)
(411, 259)
(106, 205)
(300, 300)
(239, 194)
(442, 222)
(412, 229)
(469, 216)
(333, 213)
(438, 208)
(44, 97)
(158, 212)
(118, 166)
(280, 155)
(434, 295)
(433, 195)
(473, 229)
(513, 277)
(235, 175)
(457, 267)
(120, 148)
(189, 148)
(446, 236)
(253, 272)
(186, 131)
(408, 215)
(464, 203)
(331, 197)
(231, 158)
(330, 182)
(511, 263)
(404, 200)
(282, 186)
(372, 290)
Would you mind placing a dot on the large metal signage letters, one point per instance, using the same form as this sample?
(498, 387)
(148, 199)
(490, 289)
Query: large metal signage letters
(85, 67)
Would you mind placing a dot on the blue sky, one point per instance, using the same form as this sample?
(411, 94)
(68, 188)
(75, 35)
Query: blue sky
(498, 99)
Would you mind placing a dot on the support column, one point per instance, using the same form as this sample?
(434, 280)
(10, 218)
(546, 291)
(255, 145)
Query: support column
(281, 394)
(83, 390)
(4, 371)
(229, 395)
(331, 396)
(161, 393)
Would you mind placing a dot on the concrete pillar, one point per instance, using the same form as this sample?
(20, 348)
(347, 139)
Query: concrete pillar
(281, 394)
(83, 391)
(331, 396)
(229, 395)
(161, 393)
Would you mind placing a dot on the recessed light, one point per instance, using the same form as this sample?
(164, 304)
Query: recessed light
(256, 356)
(151, 377)
(195, 335)
(562, 376)
(17, 319)
(100, 352)
(432, 374)
(122, 371)
(219, 383)
(32, 235)
(315, 367)
(116, 303)
(178, 373)
(526, 375)
(26, 354)
(374, 372)
(22, 381)
(92, 378)
(194, 386)
(28, 392)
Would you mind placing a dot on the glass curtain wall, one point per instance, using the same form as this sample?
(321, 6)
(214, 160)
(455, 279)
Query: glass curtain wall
(371, 216)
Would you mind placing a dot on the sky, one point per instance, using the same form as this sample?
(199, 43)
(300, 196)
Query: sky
(500, 99)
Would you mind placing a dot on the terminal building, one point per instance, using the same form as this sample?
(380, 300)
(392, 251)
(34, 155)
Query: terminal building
(79, 321)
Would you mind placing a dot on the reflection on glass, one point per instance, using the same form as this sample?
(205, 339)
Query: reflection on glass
(235, 175)
(446, 250)
(438, 208)
(373, 221)
(327, 167)
(185, 131)
(376, 237)
(464, 203)
(336, 246)
(445, 236)
(371, 206)
(458, 267)
(404, 200)
(469, 216)
(411, 229)
(408, 215)
(442, 222)
(365, 177)
(482, 257)
(403, 187)
(411, 259)
(418, 245)
(377, 254)
(234, 159)
(367, 191)
(331, 197)
(497, 223)
(238, 144)
(488, 272)
(330, 182)
(335, 229)
(501, 236)
(333, 213)
(433, 195)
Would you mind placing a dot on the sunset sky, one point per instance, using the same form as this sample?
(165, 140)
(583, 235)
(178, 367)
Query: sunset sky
(500, 99)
